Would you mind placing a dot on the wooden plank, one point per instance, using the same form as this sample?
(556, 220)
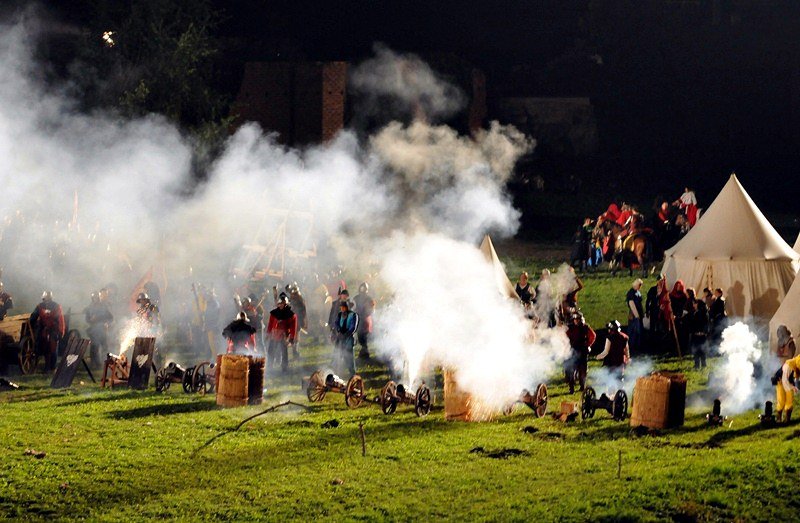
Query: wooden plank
(68, 366)
(141, 362)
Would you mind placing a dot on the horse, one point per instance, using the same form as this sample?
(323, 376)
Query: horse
(636, 248)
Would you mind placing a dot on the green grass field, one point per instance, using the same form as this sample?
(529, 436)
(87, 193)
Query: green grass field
(122, 455)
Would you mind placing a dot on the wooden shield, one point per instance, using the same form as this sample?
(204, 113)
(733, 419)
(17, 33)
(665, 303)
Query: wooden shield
(141, 362)
(72, 359)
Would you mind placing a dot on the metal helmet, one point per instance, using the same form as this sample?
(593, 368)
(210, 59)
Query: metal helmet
(95, 297)
(247, 302)
(283, 298)
(614, 325)
(47, 295)
(142, 297)
(577, 316)
(242, 316)
(364, 287)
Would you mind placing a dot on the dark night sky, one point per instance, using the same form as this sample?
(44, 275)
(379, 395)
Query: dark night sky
(688, 91)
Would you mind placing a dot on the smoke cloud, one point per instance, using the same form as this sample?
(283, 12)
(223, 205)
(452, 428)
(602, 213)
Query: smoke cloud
(91, 198)
(743, 377)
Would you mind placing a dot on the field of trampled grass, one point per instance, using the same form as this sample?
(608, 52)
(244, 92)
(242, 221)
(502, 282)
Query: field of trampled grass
(122, 455)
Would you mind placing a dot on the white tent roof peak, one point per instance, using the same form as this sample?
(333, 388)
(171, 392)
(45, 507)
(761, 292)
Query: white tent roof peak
(733, 228)
(504, 285)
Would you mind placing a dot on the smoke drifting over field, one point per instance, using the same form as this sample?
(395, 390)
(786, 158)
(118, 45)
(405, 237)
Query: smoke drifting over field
(91, 198)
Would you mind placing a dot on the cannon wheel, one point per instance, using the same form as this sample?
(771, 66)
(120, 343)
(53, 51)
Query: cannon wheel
(354, 392)
(422, 403)
(27, 355)
(588, 403)
(188, 382)
(620, 406)
(200, 382)
(540, 400)
(162, 383)
(316, 388)
(389, 398)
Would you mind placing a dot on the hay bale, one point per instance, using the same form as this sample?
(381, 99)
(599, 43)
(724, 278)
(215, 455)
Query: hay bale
(460, 405)
(233, 382)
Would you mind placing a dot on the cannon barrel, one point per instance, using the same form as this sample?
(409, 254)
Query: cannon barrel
(333, 381)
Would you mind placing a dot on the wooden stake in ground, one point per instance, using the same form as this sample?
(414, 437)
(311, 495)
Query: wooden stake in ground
(363, 439)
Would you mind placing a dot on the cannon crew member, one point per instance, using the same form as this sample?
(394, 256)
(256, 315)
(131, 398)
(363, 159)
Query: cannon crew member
(616, 353)
(6, 302)
(241, 335)
(346, 328)
(282, 332)
(47, 321)
(581, 337)
(365, 307)
(99, 318)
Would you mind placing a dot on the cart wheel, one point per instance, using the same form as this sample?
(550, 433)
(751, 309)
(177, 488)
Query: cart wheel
(316, 389)
(422, 403)
(389, 398)
(540, 400)
(588, 403)
(201, 382)
(187, 381)
(162, 383)
(620, 407)
(27, 355)
(354, 392)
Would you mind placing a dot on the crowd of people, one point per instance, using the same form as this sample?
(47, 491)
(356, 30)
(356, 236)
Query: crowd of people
(275, 335)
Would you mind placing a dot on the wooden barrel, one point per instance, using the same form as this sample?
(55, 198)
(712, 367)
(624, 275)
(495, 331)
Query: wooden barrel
(255, 385)
(457, 403)
(233, 381)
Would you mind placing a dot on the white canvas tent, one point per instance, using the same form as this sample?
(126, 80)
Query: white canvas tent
(504, 285)
(735, 248)
(787, 314)
(796, 245)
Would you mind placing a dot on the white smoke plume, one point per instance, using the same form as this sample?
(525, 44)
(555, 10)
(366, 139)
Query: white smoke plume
(91, 198)
(395, 84)
(736, 376)
(607, 382)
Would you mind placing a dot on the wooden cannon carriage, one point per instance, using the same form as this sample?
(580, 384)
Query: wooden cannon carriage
(17, 344)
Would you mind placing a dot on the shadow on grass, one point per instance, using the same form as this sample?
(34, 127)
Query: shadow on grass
(92, 397)
(163, 410)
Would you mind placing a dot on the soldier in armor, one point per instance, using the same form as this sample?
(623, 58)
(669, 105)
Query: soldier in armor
(47, 322)
(616, 353)
(148, 315)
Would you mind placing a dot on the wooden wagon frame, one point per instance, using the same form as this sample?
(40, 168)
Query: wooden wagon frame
(18, 343)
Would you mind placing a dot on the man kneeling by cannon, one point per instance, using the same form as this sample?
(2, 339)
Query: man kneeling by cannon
(615, 356)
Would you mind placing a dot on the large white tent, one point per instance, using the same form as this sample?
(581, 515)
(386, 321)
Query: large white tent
(504, 285)
(735, 248)
(796, 245)
(787, 314)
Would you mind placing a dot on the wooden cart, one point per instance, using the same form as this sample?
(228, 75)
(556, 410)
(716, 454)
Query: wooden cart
(17, 344)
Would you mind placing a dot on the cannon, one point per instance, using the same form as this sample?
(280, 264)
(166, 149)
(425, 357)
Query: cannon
(192, 379)
(394, 394)
(353, 390)
(617, 407)
(715, 417)
(537, 401)
(768, 419)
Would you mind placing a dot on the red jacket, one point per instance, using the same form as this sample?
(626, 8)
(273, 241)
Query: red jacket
(282, 324)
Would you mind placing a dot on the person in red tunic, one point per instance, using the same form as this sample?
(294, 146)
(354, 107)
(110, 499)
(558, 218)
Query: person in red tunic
(581, 337)
(688, 204)
(47, 321)
(611, 214)
(281, 331)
